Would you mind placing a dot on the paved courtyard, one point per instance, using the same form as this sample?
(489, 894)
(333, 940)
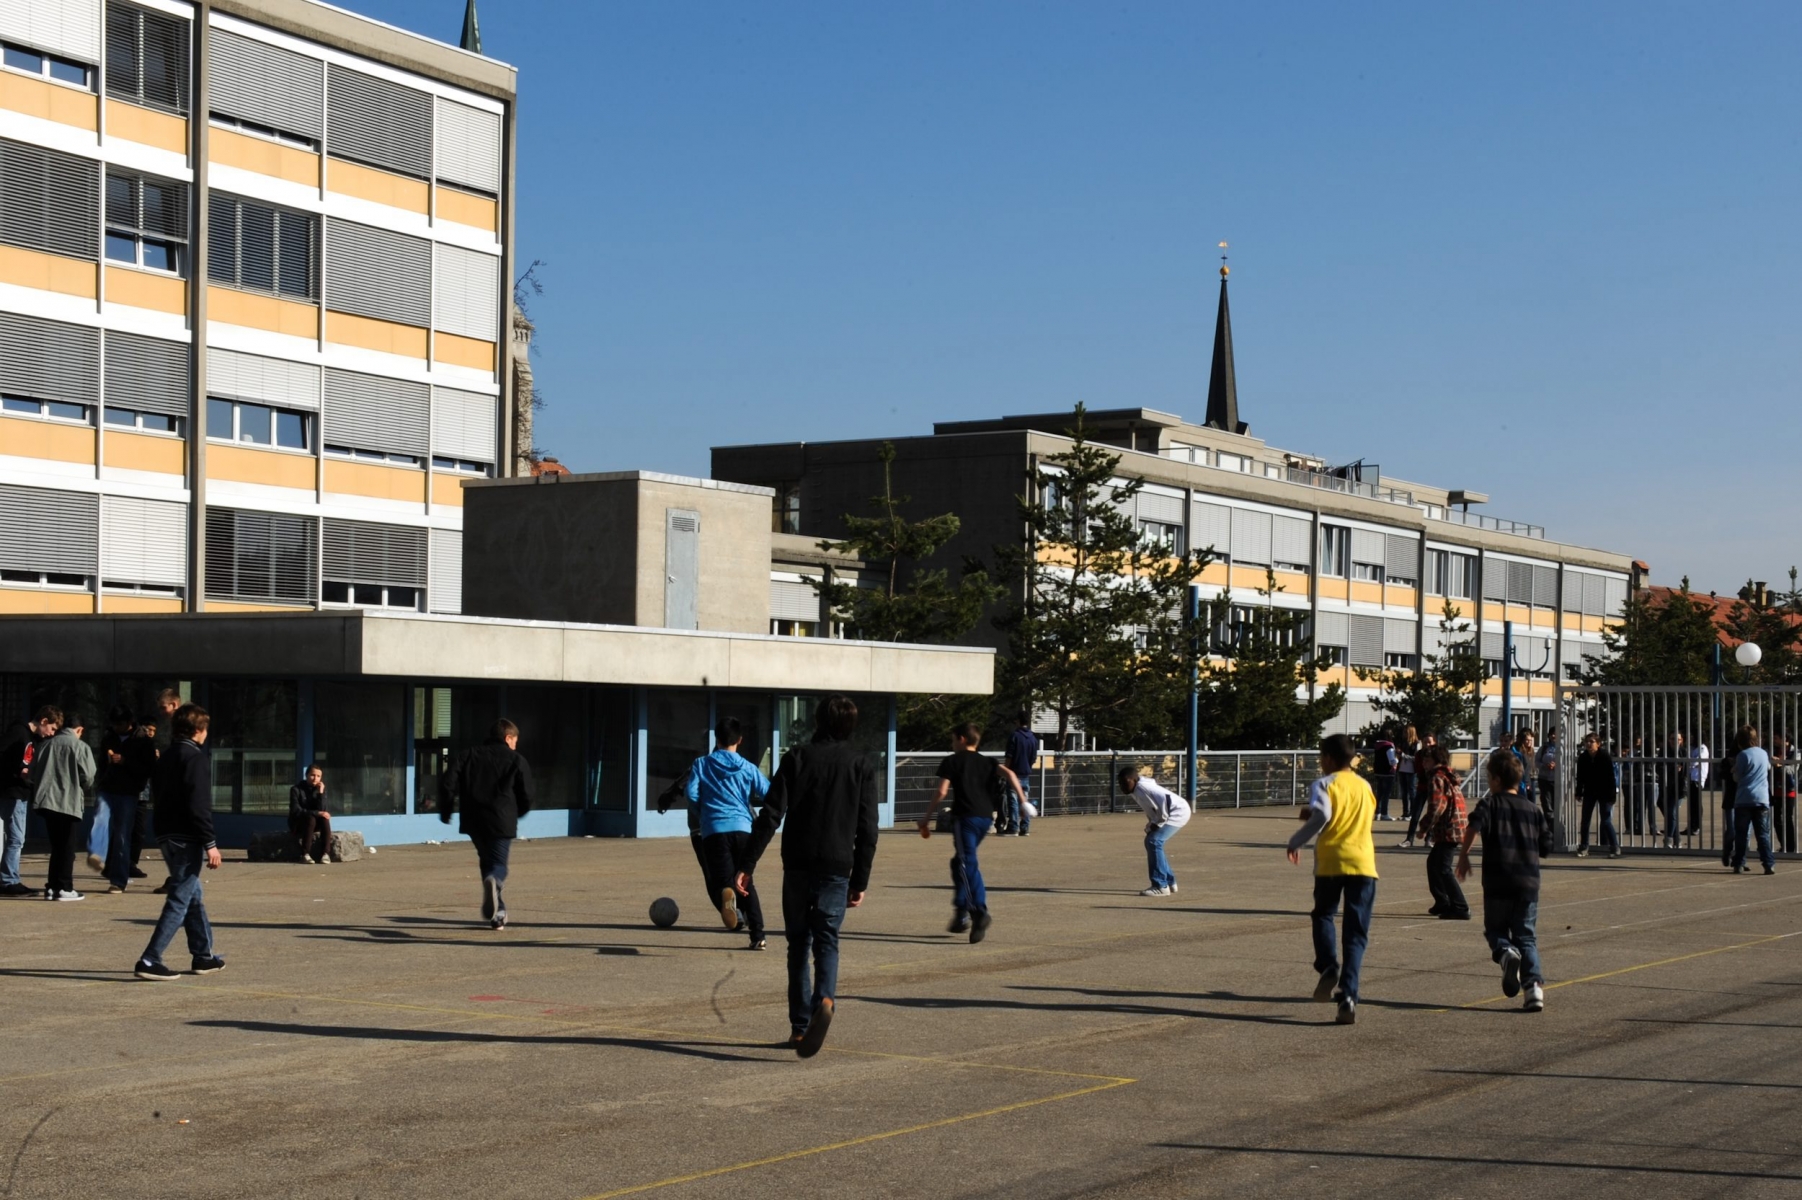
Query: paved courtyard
(369, 1040)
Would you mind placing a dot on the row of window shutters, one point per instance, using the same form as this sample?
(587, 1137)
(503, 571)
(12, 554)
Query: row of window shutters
(78, 364)
(356, 114)
(49, 535)
(1257, 538)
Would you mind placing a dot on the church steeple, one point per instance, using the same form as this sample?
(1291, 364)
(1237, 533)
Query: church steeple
(1223, 390)
(472, 29)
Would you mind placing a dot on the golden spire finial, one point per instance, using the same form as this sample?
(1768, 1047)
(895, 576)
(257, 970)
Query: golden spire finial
(1224, 269)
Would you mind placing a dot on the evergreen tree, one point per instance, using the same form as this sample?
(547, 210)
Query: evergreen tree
(1248, 684)
(1659, 642)
(911, 603)
(1773, 620)
(1095, 628)
(1444, 696)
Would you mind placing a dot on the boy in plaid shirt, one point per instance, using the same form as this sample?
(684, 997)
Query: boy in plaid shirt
(1443, 827)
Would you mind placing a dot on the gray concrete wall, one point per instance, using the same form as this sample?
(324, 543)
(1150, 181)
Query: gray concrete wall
(734, 591)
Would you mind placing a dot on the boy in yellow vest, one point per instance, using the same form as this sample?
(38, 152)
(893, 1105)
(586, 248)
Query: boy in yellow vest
(1340, 809)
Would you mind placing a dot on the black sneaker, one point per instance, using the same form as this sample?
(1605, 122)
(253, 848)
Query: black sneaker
(979, 927)
(209, 965)
(758, 942)
(18, 889)
(1770, 870)
(1323, 988)
(1348, 1011)
(500, 918)
(959, 924)
(491, 898)
(1511, 972)
(810, 1042)
(138, 874)
(154, 970)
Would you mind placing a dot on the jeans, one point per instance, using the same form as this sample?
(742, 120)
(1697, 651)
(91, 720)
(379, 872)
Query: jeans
(1752, 820)
(184, 907)
(813, 909)
(1013, 817)
(967, 893)
(1161, 874)
(1359, 893)
(491, 856)
(1695, 808)
(65, 839)
(1673, 803)
(1442, 880)
(1605, 835)
(12, 828)
(1404, 787)
(725, 858)
(100, 829)
(1508, 923)
(122, 815)
(1385, 785)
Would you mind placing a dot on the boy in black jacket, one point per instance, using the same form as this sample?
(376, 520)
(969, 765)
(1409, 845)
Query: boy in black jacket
(827, 791)
(492, 784)
(182, 789)
(1515, 837)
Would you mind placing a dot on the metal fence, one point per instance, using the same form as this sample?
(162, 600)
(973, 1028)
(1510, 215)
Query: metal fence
(1084, 781)
(1670, 745)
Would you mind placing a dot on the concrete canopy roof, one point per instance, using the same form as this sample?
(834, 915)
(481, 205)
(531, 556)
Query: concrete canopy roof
(356, 642)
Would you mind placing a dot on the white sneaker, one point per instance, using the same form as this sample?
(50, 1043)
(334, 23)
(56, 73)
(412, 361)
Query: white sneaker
(307, 859)
(1535, 1001)
(1155, 891)
(66, 896)
(1173, 889)
(1405, 844)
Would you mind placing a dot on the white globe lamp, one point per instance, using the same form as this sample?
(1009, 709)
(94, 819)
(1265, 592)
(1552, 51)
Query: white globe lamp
(1748, 655)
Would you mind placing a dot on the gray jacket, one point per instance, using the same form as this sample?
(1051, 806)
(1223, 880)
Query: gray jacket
(62, 774)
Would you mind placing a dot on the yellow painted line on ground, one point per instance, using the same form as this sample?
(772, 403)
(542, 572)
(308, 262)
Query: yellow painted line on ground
(849, 1143)
(1663, 962)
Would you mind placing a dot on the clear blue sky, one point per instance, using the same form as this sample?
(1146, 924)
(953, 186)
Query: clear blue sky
(1549, 252)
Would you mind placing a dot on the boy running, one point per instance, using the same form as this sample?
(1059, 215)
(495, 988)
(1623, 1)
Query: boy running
(974, 783)
(724, 787)
(1515, 836)
(827, 791)
(1443, 824)
(1340, 809)
(1165, 813)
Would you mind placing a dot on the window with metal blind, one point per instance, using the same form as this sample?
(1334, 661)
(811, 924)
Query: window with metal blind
(1251, 537)
(1368, 547)
(1160, 507)
(260, 556)
(378, 273)
(468, 300)
(1399, 636)
(1401, 559)
(1212, 527)
(1291, 539)
(378, 122)
(1365, 641)
(261, 248)
(69, 27)
(48, 536)
(1614, 595)
(1595, 602)
(275, 381)
(148, 375)
(49, 200)
(469, 147)
(793, 600)
(1520, 583)
(143, 542)
(49, 360)
(1573, 591)
(465, 425)
(372, 564)
(374, 412)
(146, 221)
(445, 582)
(265, 85)
(147, 57)
(1545, 586)
(1333, 628)
(1495, 578)
(1492, 646)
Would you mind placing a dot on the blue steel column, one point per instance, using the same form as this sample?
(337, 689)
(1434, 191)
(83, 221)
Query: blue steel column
(1194, 683)
(886, 809)
(641, 753)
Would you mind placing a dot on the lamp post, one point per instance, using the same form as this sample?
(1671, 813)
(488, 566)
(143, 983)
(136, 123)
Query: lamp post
(1748, 655)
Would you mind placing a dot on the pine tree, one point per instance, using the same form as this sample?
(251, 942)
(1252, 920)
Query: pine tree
(1248, 685)
(1773, 621)
(1664, 642)
(1096, 628)
(1445, 695)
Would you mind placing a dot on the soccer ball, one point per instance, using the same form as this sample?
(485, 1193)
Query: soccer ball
(664, 912)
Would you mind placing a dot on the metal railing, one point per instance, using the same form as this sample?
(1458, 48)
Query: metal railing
(1083, 781)
(1498, 524)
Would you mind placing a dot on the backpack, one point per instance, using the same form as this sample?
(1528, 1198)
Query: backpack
(677, 790)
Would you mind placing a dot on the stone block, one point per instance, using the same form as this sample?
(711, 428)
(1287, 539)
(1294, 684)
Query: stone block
(347, 846)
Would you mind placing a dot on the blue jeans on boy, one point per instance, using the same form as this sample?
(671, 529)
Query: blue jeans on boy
(491, 857)
(1384, 785)
(1359, 893)
(183, 907)
(1161, 874)
(1013, 816)
(1509, 921)
(1752, 820)
(122, 815)
(813, 909)
(12, 828)
(968, 896)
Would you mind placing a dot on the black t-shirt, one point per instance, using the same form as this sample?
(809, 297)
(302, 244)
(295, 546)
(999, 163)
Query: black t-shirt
(975, 783)
(1515, 837)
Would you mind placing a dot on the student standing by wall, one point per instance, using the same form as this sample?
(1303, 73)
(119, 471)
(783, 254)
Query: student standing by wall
(62, 772)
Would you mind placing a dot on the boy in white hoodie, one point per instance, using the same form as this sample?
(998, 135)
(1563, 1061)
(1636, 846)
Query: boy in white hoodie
(1165, 813)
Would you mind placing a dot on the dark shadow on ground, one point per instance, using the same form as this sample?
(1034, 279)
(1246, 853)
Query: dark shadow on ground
(381, 935)
(1743, 1083)
(1139, 1010)
(1235, 997)
(1739, 1024)
(1454, 1160)
(123, 975)
(1213, 912)
(1047, 891)
(713, 1051)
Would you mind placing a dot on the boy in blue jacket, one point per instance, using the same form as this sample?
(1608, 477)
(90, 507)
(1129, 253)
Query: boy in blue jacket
(723, 788)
